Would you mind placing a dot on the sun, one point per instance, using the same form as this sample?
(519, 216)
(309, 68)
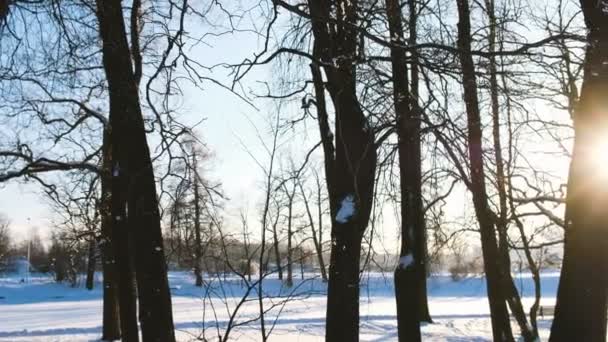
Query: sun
(596, 157)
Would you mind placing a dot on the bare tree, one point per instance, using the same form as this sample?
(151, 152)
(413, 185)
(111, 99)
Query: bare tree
(316, 229)
(350, 164)
(5, 239)
(133, 183)
(501, 328)
(411, 262)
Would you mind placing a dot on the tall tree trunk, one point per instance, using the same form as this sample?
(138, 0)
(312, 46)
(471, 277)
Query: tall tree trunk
(512, 295)
(111, 310)
(350, 173)
(132, 168)
(412, 218)
(421, 238)
(91, 263)
(501, 328)
(582, 296)
(198, 253)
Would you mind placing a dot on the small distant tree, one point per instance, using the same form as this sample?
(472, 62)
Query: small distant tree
(5, 239)
(67, 259)
(193, 202)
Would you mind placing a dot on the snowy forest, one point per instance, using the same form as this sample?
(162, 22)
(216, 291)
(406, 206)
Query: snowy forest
(303, 170)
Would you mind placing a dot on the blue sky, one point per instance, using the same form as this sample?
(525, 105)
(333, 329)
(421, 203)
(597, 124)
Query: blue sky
(227, 126)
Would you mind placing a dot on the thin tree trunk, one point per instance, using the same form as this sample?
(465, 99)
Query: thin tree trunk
(412, 218)
(132, 167)
(302, 267)
(198, 253)
(501, 328)
(315, 241)
(290, 197)
(246, 245)
(320, 229)
(276, 246)
(534, 268)
(91, 263)
(265, 213)
(582, 296)
(512, 295)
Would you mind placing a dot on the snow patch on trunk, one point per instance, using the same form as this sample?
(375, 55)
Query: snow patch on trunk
(347, 209)
(406, 261)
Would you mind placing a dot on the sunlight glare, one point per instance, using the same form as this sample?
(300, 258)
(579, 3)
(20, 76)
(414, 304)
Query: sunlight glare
(597, 158)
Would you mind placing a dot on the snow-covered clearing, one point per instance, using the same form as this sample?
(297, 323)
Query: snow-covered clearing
(46, 311)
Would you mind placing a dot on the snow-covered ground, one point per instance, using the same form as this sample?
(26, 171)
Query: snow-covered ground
(45, 311)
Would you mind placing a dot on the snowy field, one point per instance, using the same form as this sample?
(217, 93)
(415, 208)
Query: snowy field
(45, 311)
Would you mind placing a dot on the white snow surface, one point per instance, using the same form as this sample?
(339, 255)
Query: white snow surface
(46, 311)
(347, 209)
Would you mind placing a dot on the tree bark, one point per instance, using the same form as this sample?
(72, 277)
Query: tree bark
(351, 176)
(91, 263)
(132, 168)
(501, 328)
(580, 313)
(111, 309)
(412, 216)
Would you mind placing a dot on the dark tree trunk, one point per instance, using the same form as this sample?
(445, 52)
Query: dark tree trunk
(290, 198)
(132, 168)
(122, 245)
(412, 216)
(350, 174)
(198, 252)
(126, 276)
(111, 313)
(91, 263)
(421, 238)
(302, 268)
(111, 310)
(289, 280)
(276, 247)
(319, 240)
(582, 296)
(501, 328)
